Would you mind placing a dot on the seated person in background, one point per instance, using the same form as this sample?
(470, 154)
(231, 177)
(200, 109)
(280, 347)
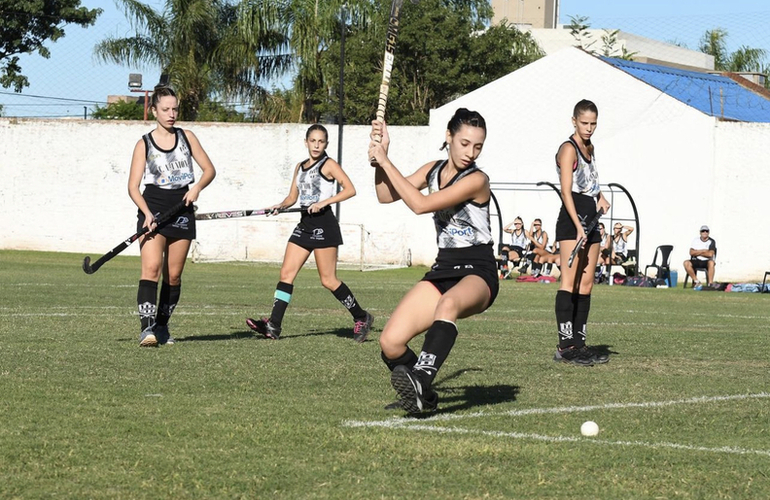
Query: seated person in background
(538, 242)
(515, 251)
(703, 252)
(605, 246)
(620, 242)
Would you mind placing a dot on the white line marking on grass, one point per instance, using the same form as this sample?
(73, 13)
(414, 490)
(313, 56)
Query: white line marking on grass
(419, 425)
(569, 439)
(400, 422)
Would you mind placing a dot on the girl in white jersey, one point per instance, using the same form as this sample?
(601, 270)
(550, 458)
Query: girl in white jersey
(582, 198)
(318, 232)
(163, 162)
(464, 280)
(513, 253)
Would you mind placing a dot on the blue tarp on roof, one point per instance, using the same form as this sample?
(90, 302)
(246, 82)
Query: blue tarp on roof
(714, 95)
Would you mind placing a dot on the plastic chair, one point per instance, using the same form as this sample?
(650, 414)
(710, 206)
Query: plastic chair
(664, 266)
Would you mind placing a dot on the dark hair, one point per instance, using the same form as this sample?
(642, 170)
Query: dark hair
(161, 91)
(584, 105)
(317, 126)
(465, 117)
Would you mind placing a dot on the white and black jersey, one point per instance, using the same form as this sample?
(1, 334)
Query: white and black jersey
(620, 245)
(169, 169)
(519, 240)
(585, 178)
(313, 186)
(464, 225)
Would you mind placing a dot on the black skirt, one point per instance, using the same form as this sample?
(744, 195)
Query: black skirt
(181, 225)
(586, 211)
(319, 230)
(453, 264)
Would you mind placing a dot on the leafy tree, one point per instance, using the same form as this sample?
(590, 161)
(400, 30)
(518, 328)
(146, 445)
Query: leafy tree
(578, 28)
(120, 110)
(213, 111)
(25, 25)
(431, 67)
(311, 26)
(743, 60)
(207, 47)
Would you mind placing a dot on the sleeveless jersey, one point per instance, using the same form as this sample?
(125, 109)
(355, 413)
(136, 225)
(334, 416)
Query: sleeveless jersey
(464, 225)
(585, 178)
(620, 245)
(172, 169)
(313, 186)
(520, 240)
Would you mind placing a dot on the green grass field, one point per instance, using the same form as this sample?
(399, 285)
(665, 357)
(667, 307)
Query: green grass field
(683, 406)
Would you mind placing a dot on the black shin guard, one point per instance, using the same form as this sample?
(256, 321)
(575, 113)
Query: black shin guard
(346, 298)
(438, 343)
(281, 299)
(169, 298)
(408, 359)
(564, 314)
(580, 318)
(146, 300)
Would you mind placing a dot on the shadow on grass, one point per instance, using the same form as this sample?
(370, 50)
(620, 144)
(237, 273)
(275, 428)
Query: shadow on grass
(456, 398)
(346, 333)
(603, 349)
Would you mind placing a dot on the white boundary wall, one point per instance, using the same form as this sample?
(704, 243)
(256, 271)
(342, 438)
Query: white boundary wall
(64, 188)
(63, 183)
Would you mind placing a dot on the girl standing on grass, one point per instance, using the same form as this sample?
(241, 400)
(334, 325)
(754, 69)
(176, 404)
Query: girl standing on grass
(463, 281)
(581, 199)
(163, 162)
(318, 232)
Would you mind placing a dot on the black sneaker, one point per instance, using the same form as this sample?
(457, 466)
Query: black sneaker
(264, 327)
(599, 357)
(163, 335)
(361, 328)
(414, 397)
(580, 356)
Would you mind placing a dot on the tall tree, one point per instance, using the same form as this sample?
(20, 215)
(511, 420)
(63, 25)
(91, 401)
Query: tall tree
(203, 45)
(311, 26)
(444, 50)
(743, 60)
(25, 25)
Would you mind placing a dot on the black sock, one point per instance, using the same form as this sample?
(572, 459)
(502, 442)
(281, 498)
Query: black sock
(504, 259)
(580, 318)
(146, 298)
(281, 299)
(439, 340)
(345, 296)
(408, 359)
(564, 313)
(169, 298)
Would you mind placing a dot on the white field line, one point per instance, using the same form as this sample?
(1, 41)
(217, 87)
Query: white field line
(401, 422)
(569, 439)
(420, 425)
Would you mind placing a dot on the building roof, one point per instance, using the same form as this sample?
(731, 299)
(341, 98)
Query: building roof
(714, 95)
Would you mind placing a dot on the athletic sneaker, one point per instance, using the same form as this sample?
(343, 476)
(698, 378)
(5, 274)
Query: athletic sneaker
(361, 328)
(163, 335)
(414, 397)
(570, 355)
(599, 357)
(147, 339)
(523, 269)
(265, 327)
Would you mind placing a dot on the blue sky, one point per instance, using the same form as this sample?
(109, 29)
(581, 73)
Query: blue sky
(72, 75)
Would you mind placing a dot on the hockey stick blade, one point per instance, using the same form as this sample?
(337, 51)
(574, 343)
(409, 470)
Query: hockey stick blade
(90, 268)
(579, 245)
(233, 214)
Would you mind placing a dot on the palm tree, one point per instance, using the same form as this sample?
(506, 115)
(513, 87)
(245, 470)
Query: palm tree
(205, 47)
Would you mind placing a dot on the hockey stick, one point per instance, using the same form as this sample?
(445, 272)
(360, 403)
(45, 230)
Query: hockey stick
(242, 213)
(390, 54)
(92, 268)
(579, 245)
